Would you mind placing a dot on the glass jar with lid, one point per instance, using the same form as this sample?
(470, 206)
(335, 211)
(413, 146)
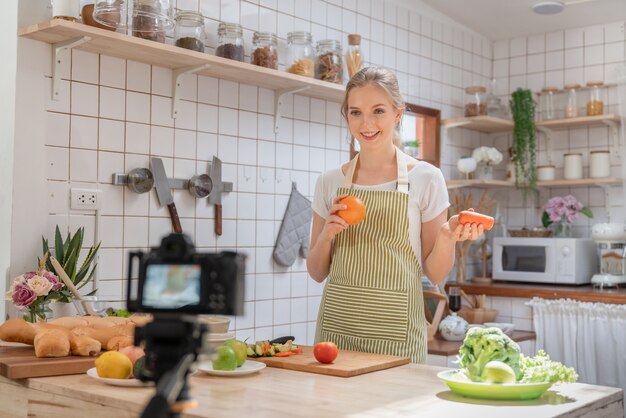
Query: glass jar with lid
(300, 54)
(595, 105)
(65, 9)
(548, 100)
(329, 62)
(354, 58)
(571, 107)
(475, 101)
(189, 31)
(151, 19)
(230, 41)
(265, 52)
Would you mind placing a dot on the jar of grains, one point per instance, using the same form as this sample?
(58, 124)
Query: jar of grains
(300, 54)
(189, 31)
(230, 41)
(329, 61)
(265, 52)
(595, 105)
(475, 104)
(571, 107)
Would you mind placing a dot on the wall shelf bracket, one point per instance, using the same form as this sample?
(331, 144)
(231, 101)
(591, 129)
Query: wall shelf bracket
(614, 128)
(57, 48)
(176, 75)
(278, 101)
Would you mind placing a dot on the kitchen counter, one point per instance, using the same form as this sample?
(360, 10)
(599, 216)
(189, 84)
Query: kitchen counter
(584, 293)
(410, 390)
(441, 347)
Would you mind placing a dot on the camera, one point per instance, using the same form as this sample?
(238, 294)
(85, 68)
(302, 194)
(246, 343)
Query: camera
(176, 279)
(175, 283)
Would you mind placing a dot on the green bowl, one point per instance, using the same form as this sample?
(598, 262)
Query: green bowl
(505, 391)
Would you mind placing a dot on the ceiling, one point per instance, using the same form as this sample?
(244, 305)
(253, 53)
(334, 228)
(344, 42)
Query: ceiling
(504, 19)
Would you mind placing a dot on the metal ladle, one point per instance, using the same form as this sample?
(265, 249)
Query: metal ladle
(140, 180)
(200, 185)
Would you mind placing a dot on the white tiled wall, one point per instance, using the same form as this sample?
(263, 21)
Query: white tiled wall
(114, 114)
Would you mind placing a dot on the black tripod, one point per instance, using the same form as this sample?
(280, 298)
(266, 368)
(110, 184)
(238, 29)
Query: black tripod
(172, 345)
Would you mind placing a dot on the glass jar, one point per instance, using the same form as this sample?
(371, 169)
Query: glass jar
(230, 41)
(599, 164)
(475, 102)
(329, 62)
(548, 98)
(151, 19)
(354, 59)
(595, 105)
(265, 52)
(66, 9)
(189, 31)
(546, 172)
(300, 54)
(573, 166)
(571, 108)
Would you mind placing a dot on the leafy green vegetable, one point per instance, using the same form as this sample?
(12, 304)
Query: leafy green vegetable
(484, 345)
(123, 313)
(541, 369)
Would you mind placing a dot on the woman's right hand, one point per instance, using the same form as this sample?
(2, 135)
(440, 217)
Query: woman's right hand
(334, 223)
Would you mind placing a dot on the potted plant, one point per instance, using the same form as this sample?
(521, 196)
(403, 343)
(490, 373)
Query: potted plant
(67, 253)
(524, 139)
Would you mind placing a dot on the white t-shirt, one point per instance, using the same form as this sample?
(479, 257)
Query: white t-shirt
(428, 196)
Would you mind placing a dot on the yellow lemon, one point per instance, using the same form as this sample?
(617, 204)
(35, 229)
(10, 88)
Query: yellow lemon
(114, 365)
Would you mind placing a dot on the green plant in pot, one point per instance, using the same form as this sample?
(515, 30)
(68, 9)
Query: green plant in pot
(67, 253)
(524, 139)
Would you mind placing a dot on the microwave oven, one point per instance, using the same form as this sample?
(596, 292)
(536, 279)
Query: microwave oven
(544, 260)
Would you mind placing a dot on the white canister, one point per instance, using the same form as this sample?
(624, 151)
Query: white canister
(66, 9)
(573, 166)
(599, 164)
(545, 172)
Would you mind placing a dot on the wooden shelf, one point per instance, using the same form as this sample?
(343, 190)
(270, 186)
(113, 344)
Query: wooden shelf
(486, 124)
(149, 52)
(488, 184)
(598, 120)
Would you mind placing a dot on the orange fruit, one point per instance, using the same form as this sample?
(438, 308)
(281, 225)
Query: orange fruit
(355, 211)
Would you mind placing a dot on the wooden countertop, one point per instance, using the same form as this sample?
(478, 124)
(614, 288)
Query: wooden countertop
(410, 390)
(442, 347)
(584, 293)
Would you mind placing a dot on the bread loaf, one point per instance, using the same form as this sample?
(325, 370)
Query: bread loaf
(17, 331)
(51, 343)
(81, 345)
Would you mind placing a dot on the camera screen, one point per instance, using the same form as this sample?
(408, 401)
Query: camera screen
(171, 286)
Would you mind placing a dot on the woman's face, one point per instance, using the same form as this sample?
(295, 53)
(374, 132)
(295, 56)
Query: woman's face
(372, 116)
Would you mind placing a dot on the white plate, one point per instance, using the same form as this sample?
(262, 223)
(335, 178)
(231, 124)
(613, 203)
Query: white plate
(247, 367)
(116, 382)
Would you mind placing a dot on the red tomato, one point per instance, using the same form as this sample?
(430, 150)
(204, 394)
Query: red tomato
(325, 352)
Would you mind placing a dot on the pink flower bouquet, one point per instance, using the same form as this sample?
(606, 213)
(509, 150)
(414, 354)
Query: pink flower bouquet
(563, 210)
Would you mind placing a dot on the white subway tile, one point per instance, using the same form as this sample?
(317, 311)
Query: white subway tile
(228, 121)
(573, 57)
(246, 178)
(83, 132)
(208, 90)
(62, 99)
(109, 163)
(555, 41)
(594, 55)
(112, 103)
(110, 263)
(83, 165)
(518, 47)
(162, 141)
(85, 66)
(112, 71)
(137, 107)
(247, 151)
(111, 234)
(574, 38)
(84, 99)
(184, 143)
(614, 32)
(138, 76)
(248, 124)
(135, 231)
(228, 94)
(594, 35)
(161, 111)
(614, 52)
(265, 202)
(229, 11)
(137, 138)
(185, 116)
(536, 44)
(207, 118)
(284, 155)
(265, 233)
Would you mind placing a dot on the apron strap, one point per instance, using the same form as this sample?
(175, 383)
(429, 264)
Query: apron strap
(402, 184)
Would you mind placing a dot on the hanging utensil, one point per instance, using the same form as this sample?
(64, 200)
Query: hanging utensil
(164, 194)
(200, 186)
(140, 180)
(215, 197)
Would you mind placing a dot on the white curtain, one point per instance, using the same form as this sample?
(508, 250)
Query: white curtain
(591, 337)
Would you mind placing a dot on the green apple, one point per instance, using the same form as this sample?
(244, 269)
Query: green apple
(240, 348)
(226, 358)
(497, 372)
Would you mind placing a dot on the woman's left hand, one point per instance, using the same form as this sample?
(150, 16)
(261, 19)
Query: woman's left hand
(456, 231)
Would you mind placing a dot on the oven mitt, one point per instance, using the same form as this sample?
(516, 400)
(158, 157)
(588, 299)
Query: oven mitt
(294, 232)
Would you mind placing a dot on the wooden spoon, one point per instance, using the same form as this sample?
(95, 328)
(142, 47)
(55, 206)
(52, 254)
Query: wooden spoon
(70, 285)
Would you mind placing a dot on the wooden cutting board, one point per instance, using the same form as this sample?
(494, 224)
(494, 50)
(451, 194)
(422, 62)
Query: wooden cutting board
(20, 363)
(347, 363)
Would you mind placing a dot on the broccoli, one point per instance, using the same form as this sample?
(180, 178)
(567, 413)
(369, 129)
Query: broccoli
(541, 369)
(484, 345)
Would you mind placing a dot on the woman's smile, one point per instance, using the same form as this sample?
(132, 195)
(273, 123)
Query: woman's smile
(370, 135)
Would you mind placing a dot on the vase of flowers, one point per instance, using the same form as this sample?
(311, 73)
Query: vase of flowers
(33, 291)
(486, 157)
(560, 212)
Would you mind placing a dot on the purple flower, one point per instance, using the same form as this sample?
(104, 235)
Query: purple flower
(29, 274)
(52, 278)
(23, 296)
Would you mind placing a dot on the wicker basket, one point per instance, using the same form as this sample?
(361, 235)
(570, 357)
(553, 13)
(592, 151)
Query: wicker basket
(477, 315)
(534, 232)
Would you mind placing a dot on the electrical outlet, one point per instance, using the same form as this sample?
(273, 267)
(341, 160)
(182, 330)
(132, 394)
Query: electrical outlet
(85, 199)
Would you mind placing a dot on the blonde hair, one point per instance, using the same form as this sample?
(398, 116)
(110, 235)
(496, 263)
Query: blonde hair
(387, 81)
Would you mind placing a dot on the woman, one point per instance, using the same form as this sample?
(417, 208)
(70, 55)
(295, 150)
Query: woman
(373, 299)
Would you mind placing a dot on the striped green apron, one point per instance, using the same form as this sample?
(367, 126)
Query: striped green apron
(373, 301)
